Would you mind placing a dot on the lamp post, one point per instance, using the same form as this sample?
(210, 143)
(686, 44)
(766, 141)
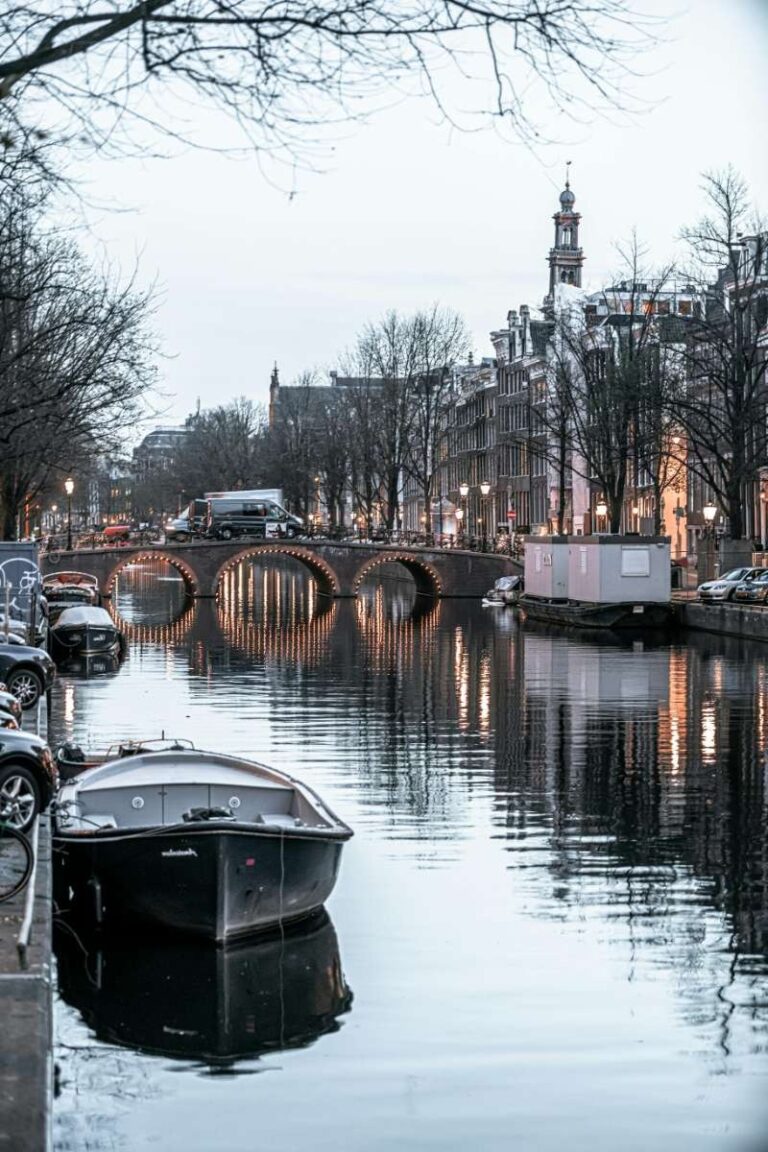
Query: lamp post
(459, 521)
(484, 490)
(464, 493)
(601, 508)
(706, 563)
(69, 487)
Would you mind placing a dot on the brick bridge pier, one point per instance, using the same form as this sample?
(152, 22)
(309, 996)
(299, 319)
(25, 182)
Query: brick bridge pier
(338, 568)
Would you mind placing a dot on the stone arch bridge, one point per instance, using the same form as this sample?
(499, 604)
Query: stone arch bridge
(338, 568)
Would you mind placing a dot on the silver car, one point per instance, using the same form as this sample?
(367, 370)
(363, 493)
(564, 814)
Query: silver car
(723, 587)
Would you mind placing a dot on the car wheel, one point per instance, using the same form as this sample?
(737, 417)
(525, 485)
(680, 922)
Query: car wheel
(19, 796)
(26, 686)
(225, 533)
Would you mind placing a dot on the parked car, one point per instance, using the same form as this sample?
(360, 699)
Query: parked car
(28, 777)
(723, 587)
(9, 703)
(754, 591)
(178, 529)
(27, 672)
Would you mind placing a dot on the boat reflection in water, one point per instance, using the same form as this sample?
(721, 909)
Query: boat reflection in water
(193, 1001)
(90, 664)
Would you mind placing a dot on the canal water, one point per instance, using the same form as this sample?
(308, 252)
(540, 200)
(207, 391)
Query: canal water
(550, 930)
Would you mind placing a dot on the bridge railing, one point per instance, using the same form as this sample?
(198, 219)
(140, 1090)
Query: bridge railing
(503, 544)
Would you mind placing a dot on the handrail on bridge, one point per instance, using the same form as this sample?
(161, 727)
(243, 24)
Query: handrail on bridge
(502, 545)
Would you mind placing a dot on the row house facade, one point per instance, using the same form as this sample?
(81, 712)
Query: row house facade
(501, 468)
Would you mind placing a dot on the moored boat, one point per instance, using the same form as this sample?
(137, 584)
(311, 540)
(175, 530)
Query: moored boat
(194, 841)
(84, 631)
(70, 590)
(505, 591)
(630, 616)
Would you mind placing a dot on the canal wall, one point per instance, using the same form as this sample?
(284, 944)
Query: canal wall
(26, 1011)
(745, 621)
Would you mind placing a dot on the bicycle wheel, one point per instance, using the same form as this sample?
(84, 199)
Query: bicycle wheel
(16, 862)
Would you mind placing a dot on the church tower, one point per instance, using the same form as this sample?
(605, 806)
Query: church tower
(566, 257)
(274, 395)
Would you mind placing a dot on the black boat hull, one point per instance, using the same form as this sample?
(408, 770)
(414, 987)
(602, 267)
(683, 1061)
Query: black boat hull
(633, 616)
(83, 640)
(218, 880)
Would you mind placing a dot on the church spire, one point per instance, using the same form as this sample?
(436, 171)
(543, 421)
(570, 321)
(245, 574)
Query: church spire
(566, 257)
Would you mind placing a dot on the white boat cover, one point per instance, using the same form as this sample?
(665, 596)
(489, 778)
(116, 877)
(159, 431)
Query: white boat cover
(84, 616)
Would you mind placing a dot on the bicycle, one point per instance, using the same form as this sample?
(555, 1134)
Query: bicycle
(16, 856)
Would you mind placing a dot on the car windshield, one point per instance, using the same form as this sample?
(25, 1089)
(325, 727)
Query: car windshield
(736, 574)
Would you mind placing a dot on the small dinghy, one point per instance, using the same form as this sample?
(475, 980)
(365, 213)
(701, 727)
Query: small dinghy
(84, 631)
(506, 590)
(193, 841)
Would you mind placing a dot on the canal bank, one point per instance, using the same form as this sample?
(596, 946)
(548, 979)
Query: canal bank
(746, 622)
(26, 1064)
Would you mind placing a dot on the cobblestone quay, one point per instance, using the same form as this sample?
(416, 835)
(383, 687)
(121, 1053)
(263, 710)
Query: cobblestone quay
(26, 1010)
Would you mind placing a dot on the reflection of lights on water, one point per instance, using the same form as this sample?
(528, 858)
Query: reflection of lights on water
(69, 704)
(484, 698)
(708, 734)
(271, 611)
(461, 678)
(674, 746)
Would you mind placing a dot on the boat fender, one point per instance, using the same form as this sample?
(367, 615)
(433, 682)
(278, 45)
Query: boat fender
(196, 814)
(71, 752)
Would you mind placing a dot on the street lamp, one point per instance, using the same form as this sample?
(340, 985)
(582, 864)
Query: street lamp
(459, 521)
(601, 508)
(464, 493)
(484, 490)
(69, 487)
(706, 565)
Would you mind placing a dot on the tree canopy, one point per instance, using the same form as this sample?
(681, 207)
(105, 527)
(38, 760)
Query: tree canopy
(282, 69)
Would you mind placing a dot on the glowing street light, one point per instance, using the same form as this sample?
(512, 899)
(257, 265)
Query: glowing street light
(69, 487)
(484, 490)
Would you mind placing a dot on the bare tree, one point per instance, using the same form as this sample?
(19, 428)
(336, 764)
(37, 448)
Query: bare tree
(332, 449)
(366, 441)
(292, 442)
(76, 356)
(224, 449)
(281, 69)
(438, 340)
(725, 408)
(385, 354)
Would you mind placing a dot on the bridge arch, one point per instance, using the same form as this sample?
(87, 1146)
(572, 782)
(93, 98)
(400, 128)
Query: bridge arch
(188, 576)
(327, 581)
(426, 577)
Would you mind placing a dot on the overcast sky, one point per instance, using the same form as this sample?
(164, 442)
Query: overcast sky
(411, 213)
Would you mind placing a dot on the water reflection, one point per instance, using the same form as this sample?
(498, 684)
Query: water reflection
(90, 664)
(149, 593)
(561, 850)
(216, 1006)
